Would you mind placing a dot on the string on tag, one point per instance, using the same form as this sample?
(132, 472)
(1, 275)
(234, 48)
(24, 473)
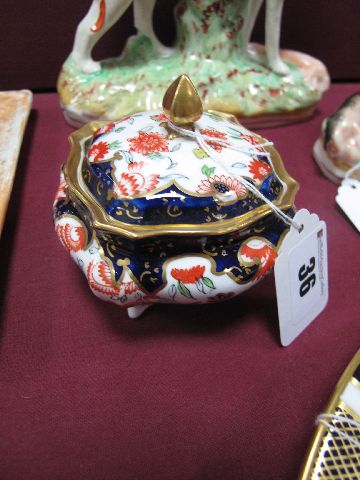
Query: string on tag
(249, 150)
(323, 417)
(252, 151)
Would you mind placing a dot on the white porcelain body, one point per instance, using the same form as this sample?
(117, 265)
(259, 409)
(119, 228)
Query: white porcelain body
(175, 224)
(199, 283)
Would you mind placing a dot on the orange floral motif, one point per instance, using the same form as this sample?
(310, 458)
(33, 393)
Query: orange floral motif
(260, 253)
(159, 118)
(99, 278)
(72, 238)
(259, 169)
(210, 132)
(222, 185)
(106, 129)
(135, 182)
(252, 140)
(98, 151)
(129, 287)
(249, 138)
(148, 143)
(188, 275)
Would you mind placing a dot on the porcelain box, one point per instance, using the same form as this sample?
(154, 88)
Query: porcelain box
(150, 217)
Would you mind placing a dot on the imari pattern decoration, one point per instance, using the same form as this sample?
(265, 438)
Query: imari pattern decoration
(335, 450)
(150, 216)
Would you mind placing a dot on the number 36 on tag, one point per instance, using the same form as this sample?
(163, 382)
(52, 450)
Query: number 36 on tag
(301, 276)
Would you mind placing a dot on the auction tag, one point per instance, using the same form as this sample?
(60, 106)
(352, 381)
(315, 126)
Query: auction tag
(301, 276)
(348, 199)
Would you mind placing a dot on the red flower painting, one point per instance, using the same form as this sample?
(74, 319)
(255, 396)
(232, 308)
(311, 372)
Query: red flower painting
(220, 185)
(150, 142)
(98, 151)
(129, 287)
(72, 237)
(188, 275)
(210, 132)
(99, 279)
(159, 118)
(259, 169)
(135, 181)
(252, 140)
(192, 276)
(257, 252)
(105, 129)
(249, 138)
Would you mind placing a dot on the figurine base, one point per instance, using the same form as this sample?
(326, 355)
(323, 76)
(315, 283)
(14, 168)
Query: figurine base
(237, 85)
(276, 120)
(333, 173)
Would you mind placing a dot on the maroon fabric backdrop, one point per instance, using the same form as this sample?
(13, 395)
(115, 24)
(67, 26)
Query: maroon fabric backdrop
(37, 36)
(203, 392)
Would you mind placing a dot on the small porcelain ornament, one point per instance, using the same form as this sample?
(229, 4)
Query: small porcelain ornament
(338, 149)
(154, 209)
(260, 85)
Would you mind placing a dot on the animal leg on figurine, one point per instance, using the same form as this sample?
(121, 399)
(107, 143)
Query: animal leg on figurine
(102, 15)
(272, 33)
(272, 36)
(143, 15)
(250, 18)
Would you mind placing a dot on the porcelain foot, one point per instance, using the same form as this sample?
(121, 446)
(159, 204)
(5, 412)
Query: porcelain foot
(135, 312)
(280, 67)
(164, 51)
(253, 54)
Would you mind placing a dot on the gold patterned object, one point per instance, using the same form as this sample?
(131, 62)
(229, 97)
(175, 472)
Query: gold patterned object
(181, 102)
(102, 220)
(158, 206)
(335, 451)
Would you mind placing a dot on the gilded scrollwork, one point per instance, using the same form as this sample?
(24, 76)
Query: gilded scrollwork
(174, 211)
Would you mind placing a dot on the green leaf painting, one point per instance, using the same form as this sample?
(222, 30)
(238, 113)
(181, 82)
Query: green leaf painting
(114, 145)
(184, 290)
(208, 282)
(208, 171)
(154, 155)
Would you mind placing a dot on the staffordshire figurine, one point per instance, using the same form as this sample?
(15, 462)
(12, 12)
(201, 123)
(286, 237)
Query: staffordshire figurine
(260, 85)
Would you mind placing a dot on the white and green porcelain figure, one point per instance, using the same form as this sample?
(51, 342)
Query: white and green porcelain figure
(260, 85)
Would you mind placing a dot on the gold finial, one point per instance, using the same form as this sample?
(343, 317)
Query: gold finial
(181, 102)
